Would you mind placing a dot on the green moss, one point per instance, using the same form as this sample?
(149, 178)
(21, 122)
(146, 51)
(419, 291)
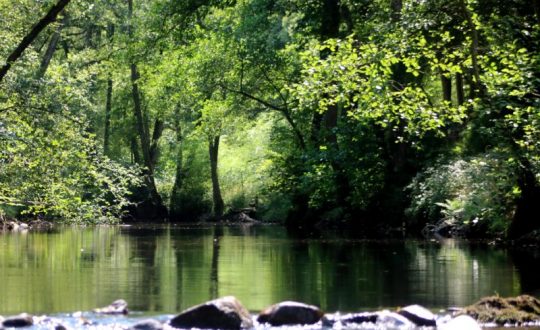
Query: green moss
(515, 310)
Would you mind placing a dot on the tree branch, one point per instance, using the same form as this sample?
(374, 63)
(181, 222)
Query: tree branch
(271, 106)
(27, 40)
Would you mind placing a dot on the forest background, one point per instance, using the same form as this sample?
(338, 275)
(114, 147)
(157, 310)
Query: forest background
(370, 115)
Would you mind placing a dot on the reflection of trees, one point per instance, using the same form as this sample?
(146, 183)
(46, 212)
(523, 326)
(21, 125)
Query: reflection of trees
(455, 274)
(174, 268)
(528, 265)
(218, 233)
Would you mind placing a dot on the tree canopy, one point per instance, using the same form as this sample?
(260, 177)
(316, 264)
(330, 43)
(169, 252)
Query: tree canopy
(373, 115)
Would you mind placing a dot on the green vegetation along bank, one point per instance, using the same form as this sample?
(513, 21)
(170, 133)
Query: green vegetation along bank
(374, 115)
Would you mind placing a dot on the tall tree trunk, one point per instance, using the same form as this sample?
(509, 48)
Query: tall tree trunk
(330, 29)
(174, 206)
(135, 154)
(159, 125)
(108, 102)
(474, 49)
(213, 148)
(330, 21)
(144, 140)
(139, 117)
(27, 40)
(460, 92)
(446, 84)
(536, 6)
(142, 132)
(51, 48)
(108, 109)
(396, 8)
(528, 206)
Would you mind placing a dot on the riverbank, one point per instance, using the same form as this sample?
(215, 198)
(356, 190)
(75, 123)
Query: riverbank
(244, 218)
(229, 313)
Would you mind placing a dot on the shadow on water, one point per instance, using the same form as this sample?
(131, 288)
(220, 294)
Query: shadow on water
(165, 269)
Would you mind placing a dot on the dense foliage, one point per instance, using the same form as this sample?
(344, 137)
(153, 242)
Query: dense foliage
(369, 114)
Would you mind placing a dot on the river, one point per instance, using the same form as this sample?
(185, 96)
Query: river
(162, 270)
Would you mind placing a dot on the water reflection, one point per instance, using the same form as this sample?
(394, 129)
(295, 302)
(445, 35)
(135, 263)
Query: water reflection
(167, 269)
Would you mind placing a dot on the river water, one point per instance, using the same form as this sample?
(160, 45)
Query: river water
(161, 270)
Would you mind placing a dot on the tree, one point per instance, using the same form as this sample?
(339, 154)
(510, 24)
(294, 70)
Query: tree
(34, 32)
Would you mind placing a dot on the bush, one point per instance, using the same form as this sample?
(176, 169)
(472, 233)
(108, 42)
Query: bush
(475, 194)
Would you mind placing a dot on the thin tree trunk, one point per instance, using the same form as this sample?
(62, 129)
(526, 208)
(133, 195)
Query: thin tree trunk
(135, 154)
(159, 125)
(27, 40)
(137, 109)
(473, 49)
(51, 48)
(330, 29)
(108, 102)
(446, 84)
(141, 130)
(460, 92)
(143, 139)
(213, 148)
(108, 109)
(179, 176)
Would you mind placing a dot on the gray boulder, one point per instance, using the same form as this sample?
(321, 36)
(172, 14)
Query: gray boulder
(116, 307)
(149, 324)
(222, 313)
(462, 322)
(419, 315)
(18, 321)
(290, 313)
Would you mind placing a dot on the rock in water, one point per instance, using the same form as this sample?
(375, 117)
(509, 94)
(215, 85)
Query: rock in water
(117, 307)
(290, 313)
(18, 321)
(390, 320)
(357, 318)
(462, 322)
(149, 324)
(222, 313)
(514, 310)
(330, 320)
(418, 315)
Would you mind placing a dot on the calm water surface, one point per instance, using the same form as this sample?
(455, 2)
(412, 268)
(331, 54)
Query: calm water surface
(167, 269)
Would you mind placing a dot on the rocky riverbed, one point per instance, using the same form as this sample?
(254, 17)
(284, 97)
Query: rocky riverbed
(229, 313)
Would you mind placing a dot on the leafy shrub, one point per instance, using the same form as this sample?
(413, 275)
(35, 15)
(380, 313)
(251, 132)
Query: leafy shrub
(466, 194)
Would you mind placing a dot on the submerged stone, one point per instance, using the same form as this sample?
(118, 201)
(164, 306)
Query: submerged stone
(222, 313)
(349, 319)
(18, 321)
(290, 313)
(462, 322)
(116, 307)
(514, 310)
(419, 315)
(149, 324)
(49, 322)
